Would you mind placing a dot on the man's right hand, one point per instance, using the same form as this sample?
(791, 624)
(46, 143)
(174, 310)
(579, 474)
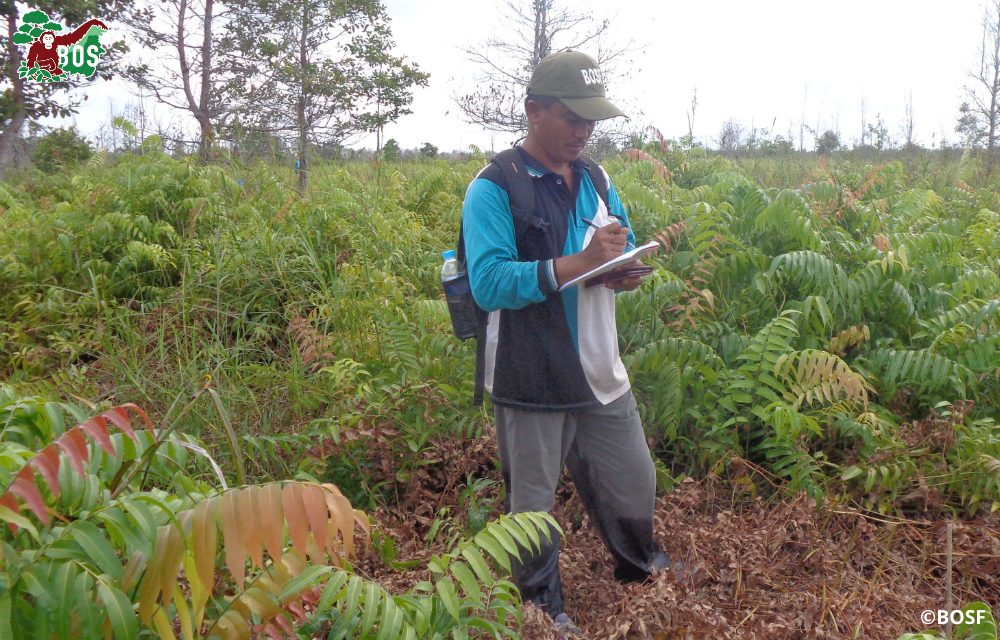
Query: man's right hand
(607, 243)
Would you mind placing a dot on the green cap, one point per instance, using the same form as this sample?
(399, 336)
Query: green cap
(575, 79)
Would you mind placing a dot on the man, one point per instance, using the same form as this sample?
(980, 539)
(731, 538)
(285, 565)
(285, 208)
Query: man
(561, 394)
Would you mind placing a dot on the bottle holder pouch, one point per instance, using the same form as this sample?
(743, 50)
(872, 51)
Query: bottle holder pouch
(465, 313)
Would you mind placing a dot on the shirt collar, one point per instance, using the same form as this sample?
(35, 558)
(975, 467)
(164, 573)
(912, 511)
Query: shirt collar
(536, 169)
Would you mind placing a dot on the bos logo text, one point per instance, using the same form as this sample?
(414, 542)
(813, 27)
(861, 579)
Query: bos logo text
(591, 76)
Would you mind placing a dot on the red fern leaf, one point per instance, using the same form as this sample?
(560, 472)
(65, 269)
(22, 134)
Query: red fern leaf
(97, 428)
(74, 445)
(47, 464)
(24, 488)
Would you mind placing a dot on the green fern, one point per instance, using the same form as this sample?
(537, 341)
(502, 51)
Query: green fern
(811, 272)
(787, 224)
(755, 382)
(924, 370)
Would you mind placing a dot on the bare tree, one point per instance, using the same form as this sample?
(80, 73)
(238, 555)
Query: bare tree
(908, 126)
(984, 90)
(178, 33)
(802, 120)
(731, 136)
(864, 122)
(532, 30)
(688, 140)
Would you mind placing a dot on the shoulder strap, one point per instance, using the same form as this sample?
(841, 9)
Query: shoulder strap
(520, 191)
(600, 181)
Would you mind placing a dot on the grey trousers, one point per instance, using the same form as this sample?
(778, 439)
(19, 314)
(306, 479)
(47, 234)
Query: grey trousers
(605, 451)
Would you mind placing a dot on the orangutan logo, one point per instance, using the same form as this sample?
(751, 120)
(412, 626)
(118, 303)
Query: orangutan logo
(52, 57)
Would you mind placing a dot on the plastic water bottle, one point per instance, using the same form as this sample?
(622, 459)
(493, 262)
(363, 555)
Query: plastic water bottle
(449, 269)
(457, 291)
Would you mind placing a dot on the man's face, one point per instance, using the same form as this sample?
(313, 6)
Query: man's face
(560, 132)
(47, 40)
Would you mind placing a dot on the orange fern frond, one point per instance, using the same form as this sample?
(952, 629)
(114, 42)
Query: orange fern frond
(671, 236)
(314, 347)
(848, 339)
(72, 444)
(317, 518)
(659, 169)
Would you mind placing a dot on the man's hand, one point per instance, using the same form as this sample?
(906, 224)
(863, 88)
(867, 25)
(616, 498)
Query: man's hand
(624, 284)
(607, 243)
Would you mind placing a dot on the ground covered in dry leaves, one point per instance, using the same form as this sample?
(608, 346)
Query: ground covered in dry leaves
(757, 567)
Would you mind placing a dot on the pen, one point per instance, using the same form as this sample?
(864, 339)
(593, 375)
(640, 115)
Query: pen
(595, 226)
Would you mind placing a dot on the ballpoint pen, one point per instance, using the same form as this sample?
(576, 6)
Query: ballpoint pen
(591, 223)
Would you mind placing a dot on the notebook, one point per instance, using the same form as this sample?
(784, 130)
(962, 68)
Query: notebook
(624, 258)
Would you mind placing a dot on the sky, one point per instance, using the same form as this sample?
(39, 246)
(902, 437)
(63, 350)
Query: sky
(765, 63)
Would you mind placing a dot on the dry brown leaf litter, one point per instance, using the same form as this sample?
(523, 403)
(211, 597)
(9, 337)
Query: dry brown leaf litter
(756, 568)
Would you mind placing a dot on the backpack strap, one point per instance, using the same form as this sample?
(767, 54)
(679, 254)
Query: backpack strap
(520, 191)
(599, 179)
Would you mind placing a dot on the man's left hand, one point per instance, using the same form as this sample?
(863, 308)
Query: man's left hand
(625, 284)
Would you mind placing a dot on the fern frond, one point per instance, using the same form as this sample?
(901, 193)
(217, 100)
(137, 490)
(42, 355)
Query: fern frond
(980, 316)
(754, 381)
(748, 202)
(977, 283)
(926, 243)
(317, 519)
(812, 272)
(73, 445)
(816, 318)
(848, 339)
(314, 347)
(812, 377)
(659, 169)
(670, 236)
(920, 368)
(788, 217)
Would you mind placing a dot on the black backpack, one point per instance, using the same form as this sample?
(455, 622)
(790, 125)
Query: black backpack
(521, 194)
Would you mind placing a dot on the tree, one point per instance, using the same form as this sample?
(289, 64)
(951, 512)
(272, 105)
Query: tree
(531, 30)
(731, 136)
(391, 150)
(878, 134)
(316, 71)
(827, 143)
(984, 91)
(25, 101)
(967, 126)
(185, 76)
(908, 126)
(429, 150)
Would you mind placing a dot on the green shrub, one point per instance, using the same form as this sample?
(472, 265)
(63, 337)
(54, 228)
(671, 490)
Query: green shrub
(59, 149)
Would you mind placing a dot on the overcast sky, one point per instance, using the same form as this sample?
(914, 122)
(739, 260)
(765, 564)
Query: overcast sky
(766, 63)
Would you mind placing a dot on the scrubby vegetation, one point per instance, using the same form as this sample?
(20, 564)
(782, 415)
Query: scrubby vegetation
(814, 326)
